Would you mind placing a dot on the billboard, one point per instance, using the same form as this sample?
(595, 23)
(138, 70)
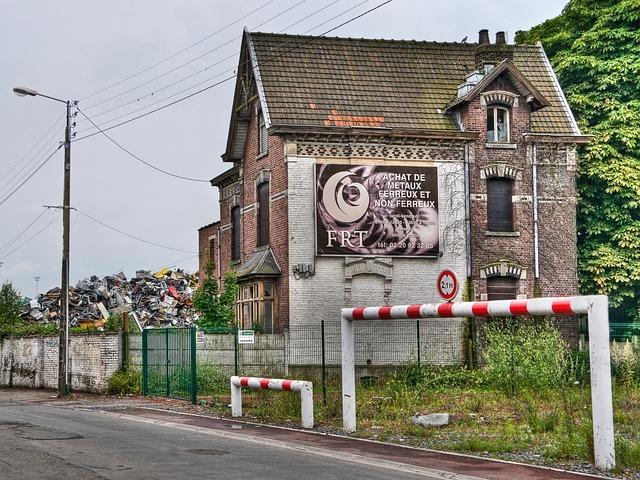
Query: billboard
(376, 210)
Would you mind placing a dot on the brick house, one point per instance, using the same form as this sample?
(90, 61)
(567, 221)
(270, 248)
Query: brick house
(359, 169)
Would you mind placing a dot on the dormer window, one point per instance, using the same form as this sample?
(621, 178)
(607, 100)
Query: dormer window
(497, 124)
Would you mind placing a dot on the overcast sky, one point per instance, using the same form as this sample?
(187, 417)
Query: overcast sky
(71, 49)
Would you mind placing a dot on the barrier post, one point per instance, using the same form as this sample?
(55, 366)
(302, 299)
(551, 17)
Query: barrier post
(601, 398)
(595, 306)
(236, 399)
(303, 387)
(306, 407)
(348, 376)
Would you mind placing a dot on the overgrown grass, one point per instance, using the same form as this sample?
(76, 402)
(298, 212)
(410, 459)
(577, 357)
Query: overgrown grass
(551, 424)
(125, 382)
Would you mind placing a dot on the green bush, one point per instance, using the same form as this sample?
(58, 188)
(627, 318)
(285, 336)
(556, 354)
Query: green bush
(519, 355)
(211, 379)
(125, 382)
(625, 363)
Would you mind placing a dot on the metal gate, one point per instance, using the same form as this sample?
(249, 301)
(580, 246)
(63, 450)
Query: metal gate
(169, 363)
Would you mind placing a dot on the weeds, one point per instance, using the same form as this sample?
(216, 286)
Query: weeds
(125, 382)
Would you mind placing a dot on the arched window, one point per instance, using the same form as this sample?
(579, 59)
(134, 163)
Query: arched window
(235, 233)
(497, 124)
(499, 204)
(263, 213)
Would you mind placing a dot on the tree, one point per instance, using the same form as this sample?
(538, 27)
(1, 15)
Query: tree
(594, 46)
(10, 308)
(214, 306)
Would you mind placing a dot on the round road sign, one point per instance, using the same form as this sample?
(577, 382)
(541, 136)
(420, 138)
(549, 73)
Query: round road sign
(447, 284)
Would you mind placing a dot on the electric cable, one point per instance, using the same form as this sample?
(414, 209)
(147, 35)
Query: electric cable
(109, 87)
(9, 195)
(16, 237)
(137, 157)
(130, 235)
(191, 75)
(5, 175)
(30, 238)
(162, 75)
(231, 77)
(235, 54)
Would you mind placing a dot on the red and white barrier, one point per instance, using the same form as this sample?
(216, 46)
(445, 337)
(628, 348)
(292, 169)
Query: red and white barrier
(305, 388)
(595, 306)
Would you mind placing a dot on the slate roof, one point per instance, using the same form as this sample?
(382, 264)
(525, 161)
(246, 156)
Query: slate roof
(321, 81)
(261, 264)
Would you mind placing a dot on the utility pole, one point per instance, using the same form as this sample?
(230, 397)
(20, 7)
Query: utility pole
(63, 339)
(63, 351)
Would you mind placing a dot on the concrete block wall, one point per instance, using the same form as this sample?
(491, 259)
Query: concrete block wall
(33, 361)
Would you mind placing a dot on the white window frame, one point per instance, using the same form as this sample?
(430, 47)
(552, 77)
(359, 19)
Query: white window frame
(507, 117)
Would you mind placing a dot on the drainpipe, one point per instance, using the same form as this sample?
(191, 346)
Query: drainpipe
(218, 262)
(536, 254)
(467, 206)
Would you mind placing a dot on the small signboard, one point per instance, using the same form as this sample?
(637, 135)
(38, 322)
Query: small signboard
(200, 336)
(246, 337)
(447, 284)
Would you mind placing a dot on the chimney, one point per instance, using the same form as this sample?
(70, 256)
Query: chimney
(483, 37)
(500, 38)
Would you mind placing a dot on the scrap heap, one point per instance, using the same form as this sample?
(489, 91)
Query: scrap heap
(160, 299)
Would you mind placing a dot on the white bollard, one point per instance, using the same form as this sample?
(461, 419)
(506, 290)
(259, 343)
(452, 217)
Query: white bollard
(601, 394)
(305, 388)
(236, 399)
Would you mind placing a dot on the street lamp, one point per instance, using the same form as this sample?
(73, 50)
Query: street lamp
(63, 350)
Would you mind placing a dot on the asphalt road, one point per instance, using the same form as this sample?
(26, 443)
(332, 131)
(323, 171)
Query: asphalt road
(40, 441)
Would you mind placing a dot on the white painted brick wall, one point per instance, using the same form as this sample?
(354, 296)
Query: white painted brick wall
(321, 296)
(33, 361)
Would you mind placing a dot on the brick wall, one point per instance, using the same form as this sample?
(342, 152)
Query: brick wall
(252, 166)
(206, 242)
(33, 361)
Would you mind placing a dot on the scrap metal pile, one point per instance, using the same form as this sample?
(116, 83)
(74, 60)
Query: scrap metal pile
(151, 300)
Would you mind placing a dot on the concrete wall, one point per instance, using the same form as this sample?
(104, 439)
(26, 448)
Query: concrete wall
(412, 280)
(266, 356)
(33, 361)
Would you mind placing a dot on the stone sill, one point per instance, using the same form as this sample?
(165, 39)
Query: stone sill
(262, 155)
(501, 146)
(489, 233)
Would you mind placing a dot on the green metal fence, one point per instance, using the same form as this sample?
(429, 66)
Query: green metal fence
(169, 363)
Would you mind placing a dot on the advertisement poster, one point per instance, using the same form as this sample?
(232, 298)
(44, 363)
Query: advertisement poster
(376, 210)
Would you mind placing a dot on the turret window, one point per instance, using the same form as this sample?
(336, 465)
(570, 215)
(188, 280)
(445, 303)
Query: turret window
(497, 124)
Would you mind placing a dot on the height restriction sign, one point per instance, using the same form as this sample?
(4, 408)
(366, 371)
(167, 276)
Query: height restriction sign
(447, 284)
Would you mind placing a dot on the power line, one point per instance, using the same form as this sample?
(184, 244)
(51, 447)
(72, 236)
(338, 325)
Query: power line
(209, 87)
(191, 75)
(33, 146)
(9, 195)
(162, 75)
(15, 238)
(207, 79)
(137, 157)
(30, 238)
(109, 87)
(130, 235)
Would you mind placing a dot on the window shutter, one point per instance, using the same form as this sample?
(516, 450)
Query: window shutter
(235, 233)
(501, 288)
(263, 214)
(499, 205)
